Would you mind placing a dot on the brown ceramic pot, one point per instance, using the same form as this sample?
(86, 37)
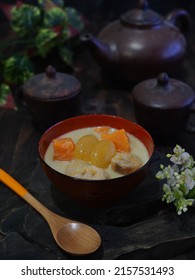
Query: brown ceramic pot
(52, 96)
(163, 105)
(141, 43)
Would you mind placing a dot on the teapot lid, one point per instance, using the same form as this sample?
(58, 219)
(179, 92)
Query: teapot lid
(51, 85)
(141, 16)
(163, 93)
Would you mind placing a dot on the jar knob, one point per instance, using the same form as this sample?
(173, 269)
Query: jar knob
(163, 79)
(142, 4)
(50, 71)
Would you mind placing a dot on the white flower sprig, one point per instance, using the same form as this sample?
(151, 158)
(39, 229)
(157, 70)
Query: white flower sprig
(179, 186)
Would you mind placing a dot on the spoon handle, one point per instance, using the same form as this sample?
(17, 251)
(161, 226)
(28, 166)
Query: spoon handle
(12, 183)
(23, 193)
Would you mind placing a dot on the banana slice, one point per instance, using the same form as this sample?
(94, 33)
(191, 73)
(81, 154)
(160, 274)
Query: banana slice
(80, 169)
(125, 163)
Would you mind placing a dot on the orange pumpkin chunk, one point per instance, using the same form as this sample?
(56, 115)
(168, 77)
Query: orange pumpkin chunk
(63, 149)
(120, 140)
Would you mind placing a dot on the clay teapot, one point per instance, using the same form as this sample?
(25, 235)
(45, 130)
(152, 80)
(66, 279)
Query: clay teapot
(141, 43)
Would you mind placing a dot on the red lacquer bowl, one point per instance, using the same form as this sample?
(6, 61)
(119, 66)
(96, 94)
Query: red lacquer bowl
(95, 193)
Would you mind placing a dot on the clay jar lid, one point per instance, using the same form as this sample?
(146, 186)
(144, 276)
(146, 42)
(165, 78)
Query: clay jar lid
(163, 93)
(51, 85)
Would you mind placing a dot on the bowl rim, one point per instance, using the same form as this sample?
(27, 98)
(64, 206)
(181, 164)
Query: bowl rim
(151, 152)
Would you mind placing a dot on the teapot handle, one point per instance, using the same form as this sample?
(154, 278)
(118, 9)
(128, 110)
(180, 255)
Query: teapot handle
(180, 18)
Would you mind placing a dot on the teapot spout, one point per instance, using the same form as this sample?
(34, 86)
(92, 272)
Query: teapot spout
(99, 49)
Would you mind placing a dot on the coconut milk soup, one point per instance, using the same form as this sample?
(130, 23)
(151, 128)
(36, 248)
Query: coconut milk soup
(137, 148)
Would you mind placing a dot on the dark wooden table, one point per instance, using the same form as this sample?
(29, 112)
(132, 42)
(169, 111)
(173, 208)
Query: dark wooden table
(139, 226)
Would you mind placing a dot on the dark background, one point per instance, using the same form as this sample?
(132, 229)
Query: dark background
(111, 9)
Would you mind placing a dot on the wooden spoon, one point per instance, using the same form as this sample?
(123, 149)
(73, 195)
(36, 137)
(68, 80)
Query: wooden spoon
(73, 237)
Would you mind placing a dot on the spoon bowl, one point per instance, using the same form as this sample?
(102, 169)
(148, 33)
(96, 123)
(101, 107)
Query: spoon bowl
(73, 237)
(79, 235)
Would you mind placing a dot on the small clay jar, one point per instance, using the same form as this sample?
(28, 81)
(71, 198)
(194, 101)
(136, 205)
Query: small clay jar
(163, 105)
(52, 96)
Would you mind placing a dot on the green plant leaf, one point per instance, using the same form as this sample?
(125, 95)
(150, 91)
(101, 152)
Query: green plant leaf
(191, 193)
(74, 19)
(55, 17)
(4, 91)
(25, 18)
(64, 36)
(66, 55)
(17, 69)
(45, 41)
